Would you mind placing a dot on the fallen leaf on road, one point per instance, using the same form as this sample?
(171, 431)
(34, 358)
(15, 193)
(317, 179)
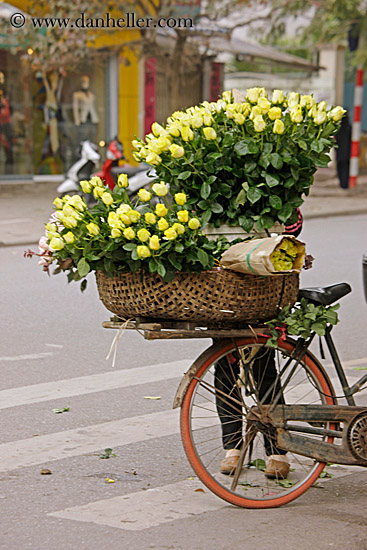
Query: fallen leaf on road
(199, 491)
(45, 472)
(110, 480)
(152, 397)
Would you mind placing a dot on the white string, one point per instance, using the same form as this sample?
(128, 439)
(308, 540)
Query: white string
(114, 345)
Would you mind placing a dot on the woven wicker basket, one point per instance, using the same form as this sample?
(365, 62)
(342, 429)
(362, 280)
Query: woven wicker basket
(212, 296)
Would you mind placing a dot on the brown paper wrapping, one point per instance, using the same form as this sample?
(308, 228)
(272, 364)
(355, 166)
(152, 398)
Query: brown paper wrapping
(253, 257)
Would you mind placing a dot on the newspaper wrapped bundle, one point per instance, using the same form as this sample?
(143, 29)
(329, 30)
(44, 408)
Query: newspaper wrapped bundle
(281, 254)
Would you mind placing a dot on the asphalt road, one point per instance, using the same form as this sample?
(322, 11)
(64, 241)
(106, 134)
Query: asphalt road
(52, 355)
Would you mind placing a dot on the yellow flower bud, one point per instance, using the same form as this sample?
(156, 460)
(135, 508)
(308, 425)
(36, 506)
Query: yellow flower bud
(69, 237)
(153, 159)
(183, 216)
(278, 97)
(161, 210)
(122, 181)
(77, 202)
(274, 113)
(179, 228)
(144, 195)
(115, 233)
(264, 104)
(86, 186)
(123, 208)
(58, 203)
(239, 118)
(255, 111)
(136, 144)
(98, 192)
(57, 244)
(163, 224)
(320, 118)
(93, 229)
(197, 121)
(208, 119)
(259, 123)
(336, 114)
(293, 99)
(143, 235)
(175, 128)
(187, 134)
(129, 233)
(177, 151)
(180, 198)
(160, 189)
(154, 243)
(157, 129)
(96, 181)
(107, 199)
(252, 94)
(307, 101)
(209, 133)
(322, 106)
(194, 223)
(134, 215)
(170, 234)
(143, 251)
(150, 218)
(69, 222)
(296, 114)
(51, 227)
(278, 127)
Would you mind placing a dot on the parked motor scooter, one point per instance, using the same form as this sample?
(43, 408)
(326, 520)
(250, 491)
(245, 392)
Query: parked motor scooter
(81, 169)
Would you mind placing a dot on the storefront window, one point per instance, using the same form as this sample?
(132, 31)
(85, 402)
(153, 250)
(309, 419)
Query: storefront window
(15, 116)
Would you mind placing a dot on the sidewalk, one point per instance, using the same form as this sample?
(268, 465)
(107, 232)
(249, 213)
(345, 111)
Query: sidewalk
(24, 209)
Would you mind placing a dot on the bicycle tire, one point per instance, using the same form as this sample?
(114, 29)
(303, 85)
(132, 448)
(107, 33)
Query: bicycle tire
(247, 494)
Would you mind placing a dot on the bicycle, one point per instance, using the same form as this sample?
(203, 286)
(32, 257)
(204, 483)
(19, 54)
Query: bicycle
(309, 424)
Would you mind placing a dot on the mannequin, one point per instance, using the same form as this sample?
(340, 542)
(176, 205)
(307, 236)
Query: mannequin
(53, 91)
(84, 110)
(5, 125)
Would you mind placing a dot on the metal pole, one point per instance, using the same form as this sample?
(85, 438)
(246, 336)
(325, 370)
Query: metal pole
(356, 128)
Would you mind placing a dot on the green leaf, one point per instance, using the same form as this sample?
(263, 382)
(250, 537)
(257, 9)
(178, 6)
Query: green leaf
(259, 464)
(246, 223)
(302, 144)
(253, 194)
(267, 149)
(241, 197)
(161, 269)
(203, 257)
(285, 212)
(216, 208)
(275, 202)
(205, 190)
(172, 258)
(317, 146)
(272, 180)
(206, 216)
(129, 246)
(83, 285)
(153, 266)
(179, 247)
(134, 254)
(267, 222)
(276, 160)
(227, 140)
(83, 267)
(185, 175)
(211, 179)
(241, 148)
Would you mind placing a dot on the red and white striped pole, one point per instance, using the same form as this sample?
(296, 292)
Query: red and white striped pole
(356, 128)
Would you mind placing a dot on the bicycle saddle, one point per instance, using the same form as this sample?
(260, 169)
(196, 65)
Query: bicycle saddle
(325, 295)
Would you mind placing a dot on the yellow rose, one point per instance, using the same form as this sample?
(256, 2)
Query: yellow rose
(175, 129)
(208, 119)
(60, 215)
(255, 111)
(136, 144)
(320, 118)
(125, 218)
(239, 118)
(113, 219)
(150, 218)
(96, 181)
(157, 129)
(51, 227)
(122, 181)
(115, 233)
(179, 228)
(86, 186)
(209, 133)
(170, 234)
(153, 159)
(180, 198)
(264, 104)
(278, 127)
(194, 223)
(129, 233)
(187, 134)
(252, 94)
(58, 203)
(69, 237)
(134, 215)
(93, 229)
(163, 224)
(336, 114)
(77, 202)
(154, 243)
(144, 195)
(123, 208)
(176, 151)
(160, 189)
(307, 101)
(143, 235)
(161, 210)
(293, 99)
(278, 97)
(274, 113)
(143, 251)
(259, 123)
(98, 192)
(57, 244)
(322, 106)
(197, 121)
(69, 222)
(183, 216)
(107, 199)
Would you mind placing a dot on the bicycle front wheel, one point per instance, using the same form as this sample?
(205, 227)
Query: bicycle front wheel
(231, 380)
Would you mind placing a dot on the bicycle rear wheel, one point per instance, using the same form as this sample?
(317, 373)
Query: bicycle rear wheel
(202, 430)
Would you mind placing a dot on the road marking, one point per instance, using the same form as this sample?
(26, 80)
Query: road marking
(83, 385)
(15, 220)
(60, 445)
(27, 357)
(146, 509)
(362, 362)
